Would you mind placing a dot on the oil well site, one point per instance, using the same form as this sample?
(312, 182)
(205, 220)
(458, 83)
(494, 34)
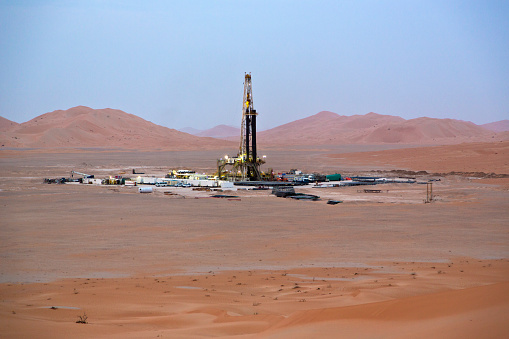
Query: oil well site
(198, 240)
(254, 169)
(247, 171)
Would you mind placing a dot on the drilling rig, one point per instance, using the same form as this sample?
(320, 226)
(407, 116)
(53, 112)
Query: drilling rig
(246, 165)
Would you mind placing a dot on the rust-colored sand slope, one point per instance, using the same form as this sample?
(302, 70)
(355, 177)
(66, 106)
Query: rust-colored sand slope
(331, 128)
(498, 126)
(6, 124)
(453, 314)
(86, 127)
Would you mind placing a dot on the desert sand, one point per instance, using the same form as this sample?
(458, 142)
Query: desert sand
(497, 126)
(468, 157)
(84, 127)
(189, 266)
(328, 128)
(6, 124)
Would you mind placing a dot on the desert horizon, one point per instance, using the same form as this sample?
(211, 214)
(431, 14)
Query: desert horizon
(261, 169)
(83, 126)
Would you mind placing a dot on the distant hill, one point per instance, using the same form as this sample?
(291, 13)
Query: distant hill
(330, 128)
(220, 131)
(86, 127)
(498, 126)
(6, 124)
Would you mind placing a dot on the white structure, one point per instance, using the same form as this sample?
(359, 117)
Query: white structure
(92, 181)
(145, 189)
(226, 184)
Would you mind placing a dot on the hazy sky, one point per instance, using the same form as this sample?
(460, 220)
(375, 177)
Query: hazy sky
(182, 63)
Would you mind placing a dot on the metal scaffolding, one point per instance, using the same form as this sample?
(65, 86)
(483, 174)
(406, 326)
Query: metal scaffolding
(246, 166)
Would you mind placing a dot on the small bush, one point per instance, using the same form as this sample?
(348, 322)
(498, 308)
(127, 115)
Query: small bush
(82, 319)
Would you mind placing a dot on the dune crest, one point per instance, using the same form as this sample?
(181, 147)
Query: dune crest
(497, 126)
(6, 124)
(86, 127)
(372, 128)
(83, 126)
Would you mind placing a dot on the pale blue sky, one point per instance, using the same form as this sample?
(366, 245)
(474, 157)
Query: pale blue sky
(182, 63)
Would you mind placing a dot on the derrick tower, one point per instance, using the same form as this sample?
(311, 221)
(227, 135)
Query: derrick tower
(249, 161)
(246, 165)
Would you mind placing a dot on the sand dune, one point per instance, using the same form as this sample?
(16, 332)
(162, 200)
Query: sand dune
(331, 128)
(427, 130)
(6, 124)
(86, 127)
(266, 304)
(447, 314)
(497, 126)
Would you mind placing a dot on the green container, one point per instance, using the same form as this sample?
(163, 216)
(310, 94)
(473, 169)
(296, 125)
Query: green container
(333, 177)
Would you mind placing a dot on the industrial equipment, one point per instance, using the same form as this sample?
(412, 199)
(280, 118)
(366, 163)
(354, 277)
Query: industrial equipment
(246, 165)
(83, 174)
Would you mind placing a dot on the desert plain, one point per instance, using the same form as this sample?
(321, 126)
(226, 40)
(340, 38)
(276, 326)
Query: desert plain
(179, 264)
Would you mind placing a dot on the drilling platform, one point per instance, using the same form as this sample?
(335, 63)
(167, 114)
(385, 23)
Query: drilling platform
(246, 165)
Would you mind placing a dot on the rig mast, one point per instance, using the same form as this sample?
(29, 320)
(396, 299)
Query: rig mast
(246, 165)
(249, 161)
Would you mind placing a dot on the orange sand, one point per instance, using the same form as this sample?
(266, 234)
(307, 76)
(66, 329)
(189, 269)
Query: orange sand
(189, 266)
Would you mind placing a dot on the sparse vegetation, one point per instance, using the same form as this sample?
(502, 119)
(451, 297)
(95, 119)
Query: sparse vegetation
(82, 319)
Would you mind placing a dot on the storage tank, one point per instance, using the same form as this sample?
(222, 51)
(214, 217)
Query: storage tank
(145, 189)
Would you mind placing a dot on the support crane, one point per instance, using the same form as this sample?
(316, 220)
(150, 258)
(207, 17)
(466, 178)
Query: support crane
(83, 174)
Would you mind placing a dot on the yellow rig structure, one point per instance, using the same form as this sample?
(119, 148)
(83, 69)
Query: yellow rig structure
(246, 165)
